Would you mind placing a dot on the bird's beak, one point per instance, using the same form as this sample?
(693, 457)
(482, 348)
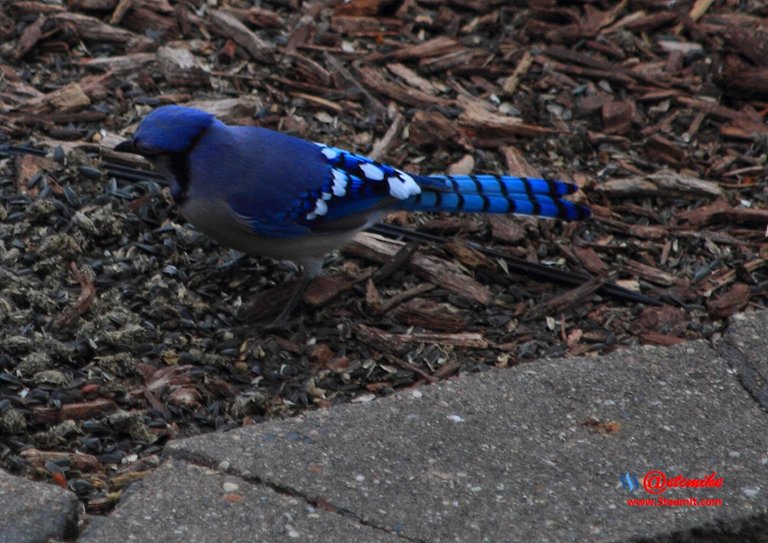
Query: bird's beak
(127, 147)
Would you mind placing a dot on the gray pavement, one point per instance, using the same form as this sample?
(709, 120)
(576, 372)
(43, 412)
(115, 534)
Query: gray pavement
(531, 453)
(195, 504)
(32, 512)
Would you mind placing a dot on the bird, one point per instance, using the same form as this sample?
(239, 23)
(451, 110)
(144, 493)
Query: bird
(270, 194)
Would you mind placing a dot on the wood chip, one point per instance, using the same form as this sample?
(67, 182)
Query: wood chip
(665, 319)
(77, 461)
(734, 299)
(664, 183)
(568, 300)
(73, 411)
(429, 315)
(443, 273)
(399, 342)
(229, 26)
(480, 122)
(510, 83)
(617, 117)
(325, 288)
(91, 28)
(68, 98)
(386, 305)
(180, 67)
(430, 48)
(649, 273)
(382, 146)
(374, 79)
(431, 128)
(699, 9)
(412, 78)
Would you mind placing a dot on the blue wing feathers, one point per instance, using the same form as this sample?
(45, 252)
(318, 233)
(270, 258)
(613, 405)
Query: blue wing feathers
(351, 184)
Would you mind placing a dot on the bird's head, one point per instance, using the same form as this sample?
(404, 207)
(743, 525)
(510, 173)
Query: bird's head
(167, 130)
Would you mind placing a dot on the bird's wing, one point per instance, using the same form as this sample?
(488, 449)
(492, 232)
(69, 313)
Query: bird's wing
(344, 190)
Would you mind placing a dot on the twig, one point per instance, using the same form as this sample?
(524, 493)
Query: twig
(511, 83)
(84, 301)
(404, 296)
(410, 367)
(700, 8)
(567, 300)
(398, 260)
(381, 147)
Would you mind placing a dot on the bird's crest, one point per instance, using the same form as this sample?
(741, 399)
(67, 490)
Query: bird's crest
(171, 129)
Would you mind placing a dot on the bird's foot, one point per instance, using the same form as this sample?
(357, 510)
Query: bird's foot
(283, 298)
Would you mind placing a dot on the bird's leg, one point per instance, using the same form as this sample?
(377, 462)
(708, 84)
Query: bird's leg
(293, 301)
(312, 269)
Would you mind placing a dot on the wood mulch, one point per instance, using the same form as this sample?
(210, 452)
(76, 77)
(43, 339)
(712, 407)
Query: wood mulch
(121, 327)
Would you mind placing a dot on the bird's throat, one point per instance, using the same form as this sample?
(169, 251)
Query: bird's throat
(178, 170)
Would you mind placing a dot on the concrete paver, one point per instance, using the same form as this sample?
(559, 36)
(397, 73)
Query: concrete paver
(531, 454)
(32, 512)
(744, 346)
(194, 504)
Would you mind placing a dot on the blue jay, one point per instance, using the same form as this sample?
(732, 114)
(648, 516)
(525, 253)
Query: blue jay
(269, 194)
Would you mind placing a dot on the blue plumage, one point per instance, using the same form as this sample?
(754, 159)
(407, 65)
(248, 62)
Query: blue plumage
(171, 129)
(270, 194)
(498, 194)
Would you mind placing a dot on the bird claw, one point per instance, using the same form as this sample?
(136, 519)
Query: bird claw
(269, 301)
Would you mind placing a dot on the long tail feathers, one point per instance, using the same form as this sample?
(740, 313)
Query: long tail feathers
(497, 194)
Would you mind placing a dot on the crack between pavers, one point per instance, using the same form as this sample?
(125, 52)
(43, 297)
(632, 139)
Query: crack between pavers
(318, 503)
(749, 377)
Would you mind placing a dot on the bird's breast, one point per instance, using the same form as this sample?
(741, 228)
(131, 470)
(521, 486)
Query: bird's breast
(216, 219)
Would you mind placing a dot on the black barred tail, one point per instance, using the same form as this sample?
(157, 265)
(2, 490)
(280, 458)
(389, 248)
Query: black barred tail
(497, 184)
(497, 194)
